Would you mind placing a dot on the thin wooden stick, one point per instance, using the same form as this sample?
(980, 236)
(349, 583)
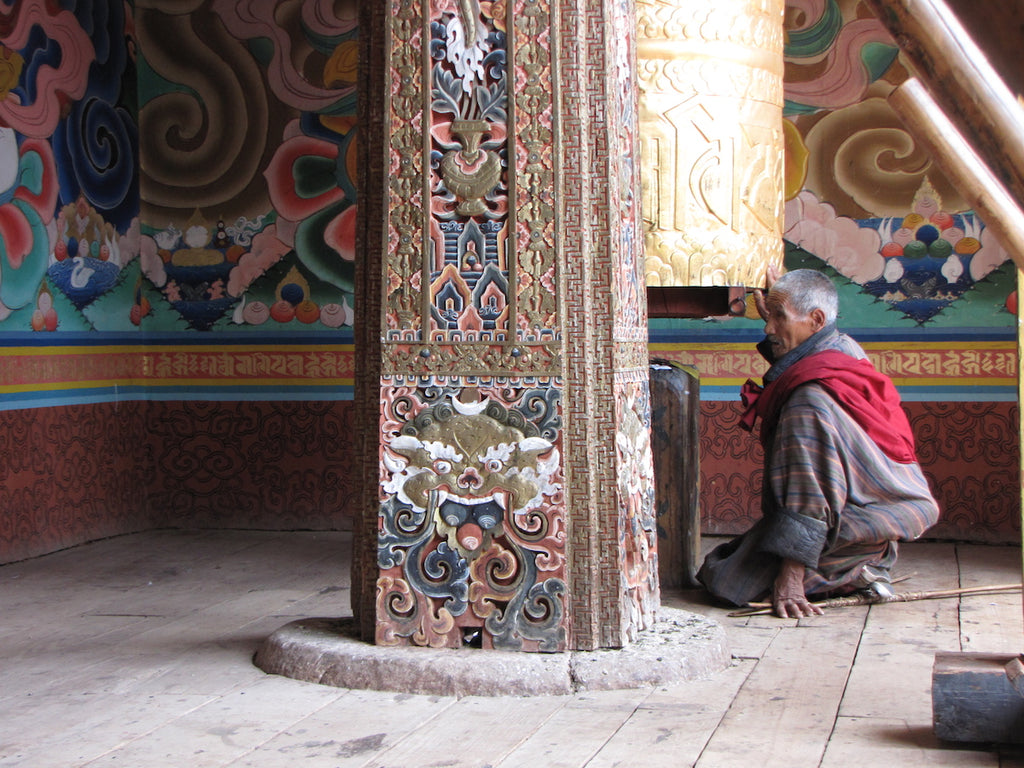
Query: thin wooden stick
(903, 597)
(769, 605)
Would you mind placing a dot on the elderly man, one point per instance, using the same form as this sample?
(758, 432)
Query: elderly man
(841, 482)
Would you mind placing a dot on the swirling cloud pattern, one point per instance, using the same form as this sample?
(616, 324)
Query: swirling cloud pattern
(207, 123)
(54, 74)
(851, 250)
(96, 145)
(323, 20)
(863, 161)
(835, 63)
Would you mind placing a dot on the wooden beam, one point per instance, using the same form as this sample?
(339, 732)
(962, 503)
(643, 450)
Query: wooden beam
(998, 29)
(960, 78)
(973, 699)
(949, 150)
(1020, 398)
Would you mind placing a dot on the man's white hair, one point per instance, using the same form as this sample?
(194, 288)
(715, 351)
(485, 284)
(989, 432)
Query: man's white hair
(806, 290)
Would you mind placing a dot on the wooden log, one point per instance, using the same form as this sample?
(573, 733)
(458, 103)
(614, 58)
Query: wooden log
(1000, 41)
(973, 699)
(951, 152)
(675, 410)
(1015, 673)
(957, 74)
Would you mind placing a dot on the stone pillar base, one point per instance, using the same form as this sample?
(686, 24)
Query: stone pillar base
(681, 647)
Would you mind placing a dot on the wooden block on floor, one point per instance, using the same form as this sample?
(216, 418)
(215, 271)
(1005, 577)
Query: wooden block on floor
(973, 700)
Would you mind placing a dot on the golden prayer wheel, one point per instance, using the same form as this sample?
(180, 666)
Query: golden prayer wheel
(711, 96)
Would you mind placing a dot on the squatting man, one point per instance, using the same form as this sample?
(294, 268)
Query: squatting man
(841, 479)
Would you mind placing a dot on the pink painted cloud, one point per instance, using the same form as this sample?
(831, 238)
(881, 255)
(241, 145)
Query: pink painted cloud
(838, 240)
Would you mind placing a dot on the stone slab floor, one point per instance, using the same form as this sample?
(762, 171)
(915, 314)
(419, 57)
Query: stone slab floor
(136, 651)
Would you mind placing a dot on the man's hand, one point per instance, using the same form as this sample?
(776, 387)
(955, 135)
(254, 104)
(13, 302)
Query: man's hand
(788, 598)
(771, 276)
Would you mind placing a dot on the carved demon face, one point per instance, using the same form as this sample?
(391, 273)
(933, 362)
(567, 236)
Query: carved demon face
(469, 472)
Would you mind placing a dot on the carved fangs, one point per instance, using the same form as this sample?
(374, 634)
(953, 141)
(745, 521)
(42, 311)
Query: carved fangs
(439, 496)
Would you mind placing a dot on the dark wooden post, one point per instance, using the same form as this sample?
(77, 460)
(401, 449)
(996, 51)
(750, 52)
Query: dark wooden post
(675, 413)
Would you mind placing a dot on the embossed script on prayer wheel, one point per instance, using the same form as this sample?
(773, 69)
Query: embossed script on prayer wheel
(711, 139)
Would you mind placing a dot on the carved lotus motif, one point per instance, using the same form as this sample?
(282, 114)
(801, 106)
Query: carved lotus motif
(471, 172)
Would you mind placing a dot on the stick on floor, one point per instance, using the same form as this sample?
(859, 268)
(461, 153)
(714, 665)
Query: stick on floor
(755, 609)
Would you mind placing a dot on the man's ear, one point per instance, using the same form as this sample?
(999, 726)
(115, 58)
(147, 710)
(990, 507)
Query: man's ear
(818, 318)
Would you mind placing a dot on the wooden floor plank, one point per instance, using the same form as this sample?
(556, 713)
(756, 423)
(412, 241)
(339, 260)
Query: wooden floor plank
(673, 724)
(223, 730)
(578, 731)
(990, 623)
(891, 678)
(355, 729)
(786, 709)
(474, 732)
(870, 742)
(926, 566)
(92, 727)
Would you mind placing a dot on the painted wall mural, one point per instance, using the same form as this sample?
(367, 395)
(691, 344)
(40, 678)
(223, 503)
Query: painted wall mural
(68, 149)
(861, 195)
(246, 171)
(177, 206)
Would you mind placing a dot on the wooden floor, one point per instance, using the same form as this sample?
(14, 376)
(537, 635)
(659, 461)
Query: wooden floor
(136, 652)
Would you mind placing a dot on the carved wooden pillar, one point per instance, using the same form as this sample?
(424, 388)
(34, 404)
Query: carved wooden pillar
(712, 144)
(509, 482)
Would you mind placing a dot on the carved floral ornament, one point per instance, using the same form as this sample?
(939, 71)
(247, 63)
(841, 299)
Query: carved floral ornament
(455, 240)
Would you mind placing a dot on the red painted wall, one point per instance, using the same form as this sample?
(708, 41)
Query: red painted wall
(970, 453)
(77, 473)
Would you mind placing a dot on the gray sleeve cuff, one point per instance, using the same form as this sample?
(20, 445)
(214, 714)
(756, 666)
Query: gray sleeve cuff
(795, 537)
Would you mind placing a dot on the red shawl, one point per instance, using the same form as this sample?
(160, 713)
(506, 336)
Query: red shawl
(865, 394)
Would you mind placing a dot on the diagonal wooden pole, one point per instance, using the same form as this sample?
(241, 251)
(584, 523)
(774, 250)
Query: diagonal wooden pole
(956, 73)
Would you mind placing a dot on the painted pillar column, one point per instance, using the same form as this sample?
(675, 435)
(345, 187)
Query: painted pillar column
(509, 486)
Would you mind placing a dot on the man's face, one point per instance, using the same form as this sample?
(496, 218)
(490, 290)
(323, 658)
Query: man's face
(786, 329)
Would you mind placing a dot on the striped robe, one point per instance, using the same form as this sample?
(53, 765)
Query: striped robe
(831, 500)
